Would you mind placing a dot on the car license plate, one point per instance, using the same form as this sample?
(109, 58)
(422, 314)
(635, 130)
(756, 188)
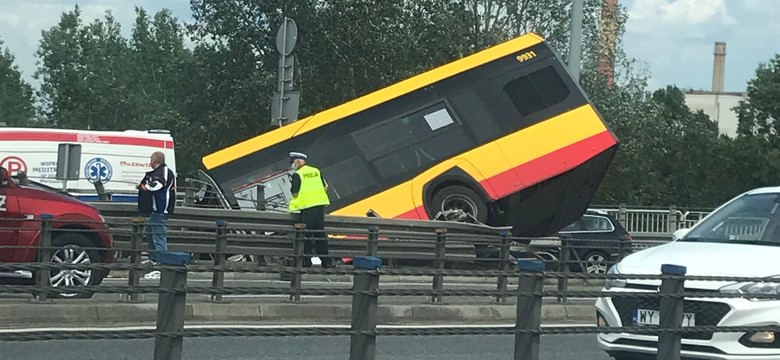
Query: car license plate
(653, 317)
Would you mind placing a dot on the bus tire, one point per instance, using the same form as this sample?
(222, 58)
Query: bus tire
(459, 197)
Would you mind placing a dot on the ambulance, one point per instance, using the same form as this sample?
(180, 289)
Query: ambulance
(74, 160)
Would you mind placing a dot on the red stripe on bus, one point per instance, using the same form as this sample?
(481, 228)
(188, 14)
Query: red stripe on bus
(414, 214)
(537, 170)
(505, 181)
(99, 139)
(548, 166)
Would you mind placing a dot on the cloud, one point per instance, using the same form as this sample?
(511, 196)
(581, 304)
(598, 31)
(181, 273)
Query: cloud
(765, 13)
(646, 16)
(26, 19)
(760, 6)
(676, 37)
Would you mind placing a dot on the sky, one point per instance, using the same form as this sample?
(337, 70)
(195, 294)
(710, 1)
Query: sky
(676, 39)
(673, 39)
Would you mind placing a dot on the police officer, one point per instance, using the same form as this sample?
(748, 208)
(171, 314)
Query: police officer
(310, 197)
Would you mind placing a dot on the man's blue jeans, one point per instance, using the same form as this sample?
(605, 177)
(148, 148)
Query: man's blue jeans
(156, 235)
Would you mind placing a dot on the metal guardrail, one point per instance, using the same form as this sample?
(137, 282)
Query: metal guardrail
(247, 222)
(366, 270)
(650, 223)
(656, 222)
(399, 243)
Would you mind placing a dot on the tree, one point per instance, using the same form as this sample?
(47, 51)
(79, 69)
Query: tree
(759, 114)
(694, 152)
(235, 68)
(94, 78)
(84, 73)
(160, 64)
(16, 95)
(756, 149)
(347, 48)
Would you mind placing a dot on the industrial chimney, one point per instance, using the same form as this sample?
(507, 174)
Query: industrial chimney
(608, 40)
(719, 67)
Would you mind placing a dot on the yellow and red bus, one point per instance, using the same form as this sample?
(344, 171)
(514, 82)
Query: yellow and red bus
(504, 134)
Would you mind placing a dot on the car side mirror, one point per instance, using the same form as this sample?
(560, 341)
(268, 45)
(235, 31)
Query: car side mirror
(680, 233)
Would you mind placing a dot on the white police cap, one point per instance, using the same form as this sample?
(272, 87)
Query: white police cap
(297, 155)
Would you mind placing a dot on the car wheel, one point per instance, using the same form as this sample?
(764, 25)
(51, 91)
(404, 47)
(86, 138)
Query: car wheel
(459, 198)
(596, 262)
(74, 249)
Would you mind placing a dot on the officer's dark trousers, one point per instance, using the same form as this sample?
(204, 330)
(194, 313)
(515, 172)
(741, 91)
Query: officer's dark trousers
(316, 238)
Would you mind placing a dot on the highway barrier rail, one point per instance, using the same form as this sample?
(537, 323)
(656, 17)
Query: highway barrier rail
(379, 248)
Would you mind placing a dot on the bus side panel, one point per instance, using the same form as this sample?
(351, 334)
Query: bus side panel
(491, 163)
(551, 148)
(395, 202)
(539, 152)
(405, 201)
(418, 184)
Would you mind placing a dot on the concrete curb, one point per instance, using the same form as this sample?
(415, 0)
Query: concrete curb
(25, 315)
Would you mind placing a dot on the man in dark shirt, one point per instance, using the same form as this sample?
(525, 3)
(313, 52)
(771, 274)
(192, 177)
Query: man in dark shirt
(156, 201)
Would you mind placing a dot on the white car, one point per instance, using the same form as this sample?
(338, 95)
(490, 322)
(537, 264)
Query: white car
(740, 238)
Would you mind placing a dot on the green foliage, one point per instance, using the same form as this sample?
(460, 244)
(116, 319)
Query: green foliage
(84, 73)
(759, 115)
(16, 95)
(757, 146)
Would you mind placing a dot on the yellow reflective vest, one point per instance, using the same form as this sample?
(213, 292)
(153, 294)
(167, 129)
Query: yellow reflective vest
(312, 192)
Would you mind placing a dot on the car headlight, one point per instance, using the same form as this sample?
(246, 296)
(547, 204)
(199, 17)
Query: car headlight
(614, 283)
(771, 289)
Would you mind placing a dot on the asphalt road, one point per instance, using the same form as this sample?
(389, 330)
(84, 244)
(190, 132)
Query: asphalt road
(553, 347)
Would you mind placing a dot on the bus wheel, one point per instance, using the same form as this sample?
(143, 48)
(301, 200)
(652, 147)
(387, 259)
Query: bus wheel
(460, 198)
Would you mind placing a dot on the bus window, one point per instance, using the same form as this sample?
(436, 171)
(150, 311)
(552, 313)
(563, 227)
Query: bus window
(401, 133)
(537, 91)
(530, 95)
(348, 177)
(476, 116)
(402, 146)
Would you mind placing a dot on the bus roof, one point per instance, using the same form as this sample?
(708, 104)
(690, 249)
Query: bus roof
(370, 100)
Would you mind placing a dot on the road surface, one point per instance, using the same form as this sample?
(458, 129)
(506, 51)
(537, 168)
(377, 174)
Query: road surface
(553, 347)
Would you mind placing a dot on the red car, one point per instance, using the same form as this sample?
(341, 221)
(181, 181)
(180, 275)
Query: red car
(80, 235)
